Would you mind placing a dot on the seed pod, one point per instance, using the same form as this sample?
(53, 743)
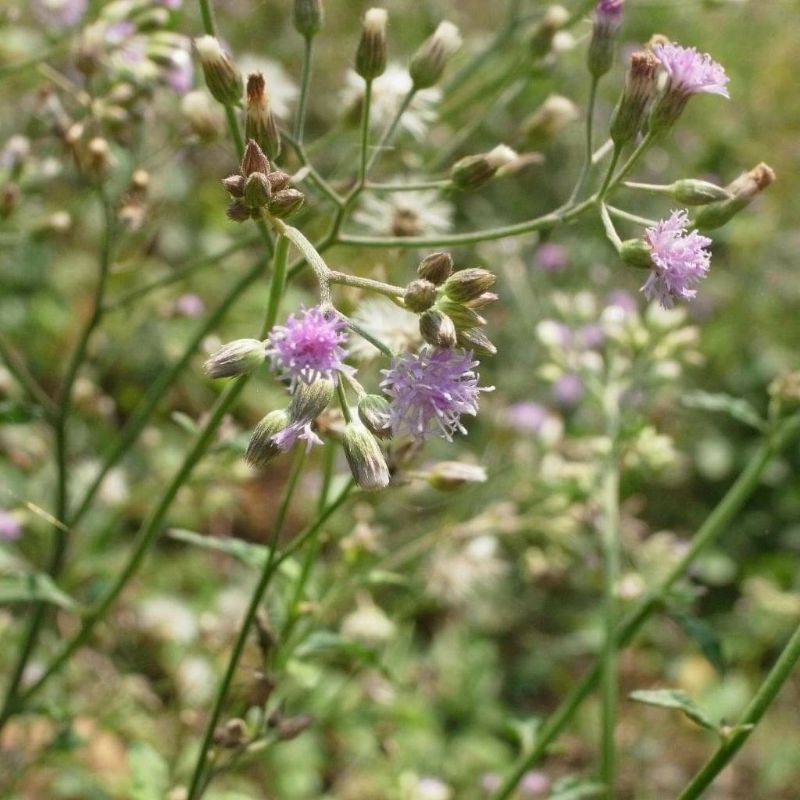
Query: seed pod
(224, 81)
(364, 456)
(477, 341)
(436, 268)
(236, 358)
(419, 295)
(262, 448)
(375, 412)
(467, 284)
(437, 329)
(371, 53)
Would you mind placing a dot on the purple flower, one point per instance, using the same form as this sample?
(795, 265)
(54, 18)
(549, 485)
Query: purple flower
(551, 257)
(429, 392)
(619, 298)
(568, 390)
(679, 258)
(534, 784)
(10, 528)
(60, 13)
(691, 72)
(309, 346)
(189, 305)
(608, 13)
(526, 416)
(591, 336)
(296, 430)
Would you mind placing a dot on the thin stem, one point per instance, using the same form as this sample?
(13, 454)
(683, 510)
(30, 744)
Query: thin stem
(302, 155)
(207, 16)
(587, 163)
(606, 185)
(633, 160)
(60, 431)
(305, 81)
(389, 133)
(709, 532)
(244, 631)
(608, 225)
(17, 367)
(653, 188)
(312, 257)
(611, 554)
(758, 706)
(628, 217)
(179, 274)
(235, 130)
(367, 336)
(442, 184)
(362, 174)
(343, 404)
(602, 151)
(343, 278)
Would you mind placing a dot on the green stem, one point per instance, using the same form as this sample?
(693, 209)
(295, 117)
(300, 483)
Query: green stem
(311, 256)
(628, 217)
(367, 336)
(608, 225)
(235, 130)
(633, 160)
(606, 185)
(442, 184)
(758, 706)
(387, 289)
(17, 367)
(305, 81)
(713, 527)
(587, 162)
(244, 631)
(362, 173)
(653, 188)
(389, 133)
(343, 404)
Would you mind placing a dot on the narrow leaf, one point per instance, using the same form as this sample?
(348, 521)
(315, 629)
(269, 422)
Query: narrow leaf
(33, 587)
(675, 698)
(705, 636)
(735, 407)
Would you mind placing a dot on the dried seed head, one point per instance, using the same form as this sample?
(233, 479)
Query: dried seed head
(254, 160)
(364, 455)
(419, 295)
(285, 202)
(436, 268)
(224, 81)
(371, 53)
(428, 63)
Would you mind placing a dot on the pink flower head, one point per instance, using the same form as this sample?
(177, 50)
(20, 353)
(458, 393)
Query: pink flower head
(309, 346)
(691, 72)
(608, 13)
(296, 430)
(430, 390)
(568, 390)
(551, 257)
(679, 258)
(10, 528)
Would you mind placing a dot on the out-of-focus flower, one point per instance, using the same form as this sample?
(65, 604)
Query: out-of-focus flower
(309, 346)
(195, 679)
(430, 391)
(167, 619)
(189, 305)
(10, 527)
(60, 13)
(415, 213)
(368, 623)
(388, 92)
(388, 323)
(551, 257)
(534, 784)
(679, 259)
(454, 576)
(568, 390)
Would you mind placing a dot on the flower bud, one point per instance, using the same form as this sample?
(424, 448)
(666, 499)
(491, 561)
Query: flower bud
(436, 268)
(482, 300)
(371, 53)
(462, 316)
(741, 191)
(446, 476)
(308, 17)
(541, 42)
(279, 180)
(472, 172)
(254, 160)
(309, 400)
(231, 735)
(288, 728)
(419, 295)
(552, 116)
(607, 20)
(467, 284)
(234, 185)
(203, 115)
(262, 447)
(691, 192)
(285, 202)
(364, 456)
(437, 329)
(235, 358)
(259, 121)
(374, 411)
(237, 211)
(640, 87)
(636, 253)
(428, 63)
(786, 388)
(477, 342)
(257, 190)
(98, 157)
(224, 81)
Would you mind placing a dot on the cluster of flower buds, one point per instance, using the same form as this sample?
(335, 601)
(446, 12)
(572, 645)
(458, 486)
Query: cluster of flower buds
(258, 187)
(472, 172)
(448, 303)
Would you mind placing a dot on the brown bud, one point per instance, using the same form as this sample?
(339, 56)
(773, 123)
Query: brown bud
(254, 159)
(477, 341)
(437, 329)
(285, 202)
(436, 268)
(279, 180)
(419, 295)
(231, 735)
(467, 284)
(288, 728)
(238, 211)
(234, 185)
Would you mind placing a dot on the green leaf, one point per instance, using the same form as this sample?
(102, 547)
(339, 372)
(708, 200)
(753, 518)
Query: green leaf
(185, 422)
(675, 698)
(572, 787)
(253, 554)
(33, 587)
(12, 413)
(735, 407)
(149, 773)
(330, 645)
(704, 635)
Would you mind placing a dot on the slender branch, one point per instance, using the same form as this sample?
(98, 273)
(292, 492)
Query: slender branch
(628, 217)
(653, 188)
(305, 82)
(390, 131)
(709, 532)
(587, 162)
(345, 279)
(17, 367)
(443, 183)
(343, 404)
(758, 706)
(244, 631)
(367, 336)
(362, 173)
(633, 159)
(607, 180)
(608, 225)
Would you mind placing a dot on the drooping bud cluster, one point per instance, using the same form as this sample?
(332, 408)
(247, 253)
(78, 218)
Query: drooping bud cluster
(260, 124)
(258, 187)
(428, 63)
(472, 172)
(371, 53)
(641, 81)
(223, 79)
(607, 21)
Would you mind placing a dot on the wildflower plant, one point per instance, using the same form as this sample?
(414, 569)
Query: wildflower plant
(375, 336)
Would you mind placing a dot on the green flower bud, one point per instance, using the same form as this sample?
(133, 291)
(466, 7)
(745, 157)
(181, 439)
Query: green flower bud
(364, 456)
(236, 358)
(691, 192)
(436, 268)
(374, 411)
(419, 295)
(309, 400)
(477, 341)
(308, 17)
(741, 191)
(262, 448)
(285, 202)
(428, 63)
(222, 78)
(437, 329)
(371, 53)
(467, 284)
(636, 253)
(257, 191)
(473, 172)
(446, 476)
(462, 316)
